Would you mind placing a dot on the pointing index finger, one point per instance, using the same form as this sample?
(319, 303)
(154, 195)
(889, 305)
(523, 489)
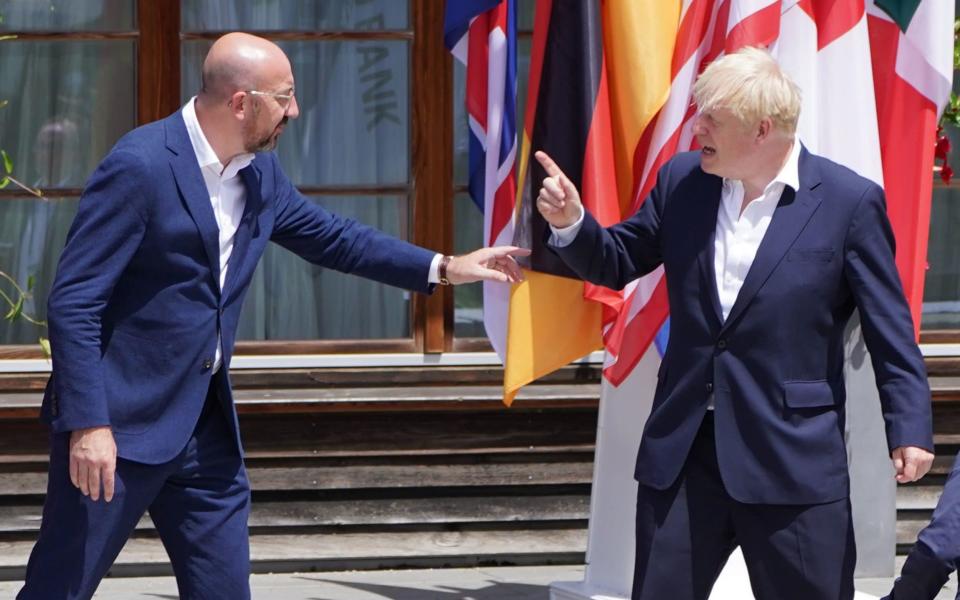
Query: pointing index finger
(548, 165)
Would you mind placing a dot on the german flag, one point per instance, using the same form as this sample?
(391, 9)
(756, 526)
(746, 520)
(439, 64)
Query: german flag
(599, 72)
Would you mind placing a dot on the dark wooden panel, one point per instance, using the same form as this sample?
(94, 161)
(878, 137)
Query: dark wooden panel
(940, 336)
(390, 433)
(283, 347)
(432, 165)
(422, 431)
(158, 59)
(946, 366)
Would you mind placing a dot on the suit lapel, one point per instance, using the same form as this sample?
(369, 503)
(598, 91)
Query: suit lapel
(706, 227)
(789, 219)
(186, 172)
(241, 242)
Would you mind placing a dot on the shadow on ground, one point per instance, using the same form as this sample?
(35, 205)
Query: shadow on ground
(495, 590)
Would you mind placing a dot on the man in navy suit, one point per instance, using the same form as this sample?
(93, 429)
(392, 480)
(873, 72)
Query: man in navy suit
(143, 316)
(767, 251)
(937, 552)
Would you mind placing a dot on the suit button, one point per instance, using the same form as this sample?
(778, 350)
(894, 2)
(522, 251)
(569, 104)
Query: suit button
(722, 344)
(710, 387)
(207, 364)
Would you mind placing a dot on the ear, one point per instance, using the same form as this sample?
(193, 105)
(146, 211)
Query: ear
(764, 129)
(240, 105)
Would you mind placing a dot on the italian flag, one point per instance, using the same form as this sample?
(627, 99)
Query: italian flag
(911, 46)
(875, 77)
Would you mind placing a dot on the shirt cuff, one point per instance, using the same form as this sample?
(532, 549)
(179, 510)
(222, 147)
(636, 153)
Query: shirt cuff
(564, 237)
(433, 276)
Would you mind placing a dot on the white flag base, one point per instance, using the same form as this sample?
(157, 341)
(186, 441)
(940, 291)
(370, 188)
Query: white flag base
(733, 584)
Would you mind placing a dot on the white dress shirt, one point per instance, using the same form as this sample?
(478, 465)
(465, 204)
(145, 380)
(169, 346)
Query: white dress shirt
(228, 197)
(738, 236)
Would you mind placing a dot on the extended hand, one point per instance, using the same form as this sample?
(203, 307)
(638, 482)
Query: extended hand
(490, 264)
(93, 460)
(559, 200)
(911, 463)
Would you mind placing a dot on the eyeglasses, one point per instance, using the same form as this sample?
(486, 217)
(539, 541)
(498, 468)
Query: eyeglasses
(283, 100)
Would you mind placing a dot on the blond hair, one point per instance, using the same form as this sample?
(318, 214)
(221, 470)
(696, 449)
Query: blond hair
(750, 84)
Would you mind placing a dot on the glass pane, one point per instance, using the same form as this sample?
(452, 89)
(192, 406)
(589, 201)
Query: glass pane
(69, 102)
(291, 299)
(953, 158)
(941, 294)
(354, 124)
(461, 136)
(295, 15)
(467, 299)
(525, 14)
(32, 234)
(61, 15)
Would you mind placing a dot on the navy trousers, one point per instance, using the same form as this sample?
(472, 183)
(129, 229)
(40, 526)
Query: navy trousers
(937, 552)
(686, 533)
(199, 503)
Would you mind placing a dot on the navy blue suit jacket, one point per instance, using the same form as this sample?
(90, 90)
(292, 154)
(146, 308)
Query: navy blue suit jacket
(136, 306)
(775, 366)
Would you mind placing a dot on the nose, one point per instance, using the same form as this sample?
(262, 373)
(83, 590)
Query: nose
(293, 111)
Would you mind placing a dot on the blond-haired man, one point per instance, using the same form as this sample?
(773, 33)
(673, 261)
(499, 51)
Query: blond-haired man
(767, 251)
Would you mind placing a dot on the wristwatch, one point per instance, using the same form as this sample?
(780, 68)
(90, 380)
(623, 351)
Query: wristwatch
(442, 270)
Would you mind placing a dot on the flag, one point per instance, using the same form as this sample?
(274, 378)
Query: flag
(911, 44)
(482, 35)
(585, 122)
(875, 75)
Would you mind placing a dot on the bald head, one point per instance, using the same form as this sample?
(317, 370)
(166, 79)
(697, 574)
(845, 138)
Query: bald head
(240, 61)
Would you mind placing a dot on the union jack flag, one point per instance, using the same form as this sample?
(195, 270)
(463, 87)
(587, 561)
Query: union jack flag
(481, 34)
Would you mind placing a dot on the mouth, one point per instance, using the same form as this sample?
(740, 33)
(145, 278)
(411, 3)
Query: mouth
(708, 151)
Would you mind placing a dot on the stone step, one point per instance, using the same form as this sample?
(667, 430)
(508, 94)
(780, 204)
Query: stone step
(561, 543)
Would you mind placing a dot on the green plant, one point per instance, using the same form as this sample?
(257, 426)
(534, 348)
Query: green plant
(15, 301)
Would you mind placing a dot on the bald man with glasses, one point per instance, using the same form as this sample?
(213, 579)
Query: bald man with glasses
(143, 317)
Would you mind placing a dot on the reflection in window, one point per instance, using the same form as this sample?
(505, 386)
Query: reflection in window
(32, 233)
(354, 124)
(69, 103)
(294, 15)
(291, 299)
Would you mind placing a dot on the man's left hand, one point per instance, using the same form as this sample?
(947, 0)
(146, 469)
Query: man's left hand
(911, 463)
(487, 264)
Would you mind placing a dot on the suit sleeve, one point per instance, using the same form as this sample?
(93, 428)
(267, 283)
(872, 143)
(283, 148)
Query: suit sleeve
(104, 236)
(331, 241)
(887, 325)
(615, 256)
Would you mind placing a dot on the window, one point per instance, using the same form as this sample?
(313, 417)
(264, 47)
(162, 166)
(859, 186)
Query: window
(69, 78)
